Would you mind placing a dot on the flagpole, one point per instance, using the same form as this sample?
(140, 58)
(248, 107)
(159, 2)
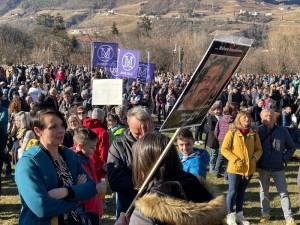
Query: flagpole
(92, 56)
(152, 172)
(148, 66)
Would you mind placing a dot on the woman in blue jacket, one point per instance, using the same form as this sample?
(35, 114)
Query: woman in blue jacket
(50, 179)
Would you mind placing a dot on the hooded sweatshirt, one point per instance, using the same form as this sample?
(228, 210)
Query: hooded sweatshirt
(222, 127)
(99, 157)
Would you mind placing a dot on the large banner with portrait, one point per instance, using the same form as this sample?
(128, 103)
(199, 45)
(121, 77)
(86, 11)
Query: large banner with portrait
(104, 54)
(209, 79)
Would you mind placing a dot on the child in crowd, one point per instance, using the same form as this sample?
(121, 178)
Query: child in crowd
(194, 160)
(85, 141)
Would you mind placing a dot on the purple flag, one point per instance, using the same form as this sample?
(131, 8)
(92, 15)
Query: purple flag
(150, 75)
(104, 54)
(128, 63)
(145, 72)
(112, 70)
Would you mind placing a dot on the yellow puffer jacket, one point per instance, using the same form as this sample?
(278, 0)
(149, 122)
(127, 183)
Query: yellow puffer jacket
(242, 152)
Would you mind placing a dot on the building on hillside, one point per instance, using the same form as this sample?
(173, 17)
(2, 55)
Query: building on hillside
(284, 7)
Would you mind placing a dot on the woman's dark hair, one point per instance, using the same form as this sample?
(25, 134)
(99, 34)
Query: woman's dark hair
(146, 151)
(38, 118)
(113, 117)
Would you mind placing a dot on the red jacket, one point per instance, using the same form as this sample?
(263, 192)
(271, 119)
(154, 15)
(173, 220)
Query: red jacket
(99, 157)
(60, 75)
(94, 204)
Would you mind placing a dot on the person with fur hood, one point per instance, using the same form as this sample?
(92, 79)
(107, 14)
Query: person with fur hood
(242, 148)
(173, 196)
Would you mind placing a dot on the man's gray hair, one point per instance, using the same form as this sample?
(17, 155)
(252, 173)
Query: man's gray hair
(267, 110)
(140, 113)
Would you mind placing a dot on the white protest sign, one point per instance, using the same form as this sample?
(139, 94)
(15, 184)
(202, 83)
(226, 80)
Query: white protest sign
(107, 92)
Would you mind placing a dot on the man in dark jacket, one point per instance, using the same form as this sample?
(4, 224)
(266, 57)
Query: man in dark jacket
(119, 162)
(278, 148)
(212, 143)
(51, 99)
(255, 112)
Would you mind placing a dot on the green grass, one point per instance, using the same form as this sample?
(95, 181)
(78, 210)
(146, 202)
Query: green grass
(252, 205)
(10, 201)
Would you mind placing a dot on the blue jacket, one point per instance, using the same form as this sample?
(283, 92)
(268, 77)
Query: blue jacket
(196, 163)
(36, 175)
(278, 148)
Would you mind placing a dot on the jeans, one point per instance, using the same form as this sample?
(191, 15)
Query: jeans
(237, 185)
(281, 186)
(3, 155)
(161, 110)
(221, 164)
(59, 85)
(198, 132)
(213, 158)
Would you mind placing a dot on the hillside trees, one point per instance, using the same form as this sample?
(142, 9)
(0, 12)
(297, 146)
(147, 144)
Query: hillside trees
(144, 26)
(52, 41)
(114, 29)
(15, 44)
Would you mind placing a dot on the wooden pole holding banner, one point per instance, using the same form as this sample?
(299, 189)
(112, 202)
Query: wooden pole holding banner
(92, 56)
(148, 66)
(152, 172)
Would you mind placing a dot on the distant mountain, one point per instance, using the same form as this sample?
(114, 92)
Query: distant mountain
(7, 5)
(36, 5)
(287, 2)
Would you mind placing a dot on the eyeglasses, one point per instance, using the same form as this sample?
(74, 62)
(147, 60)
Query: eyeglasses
(80, 113)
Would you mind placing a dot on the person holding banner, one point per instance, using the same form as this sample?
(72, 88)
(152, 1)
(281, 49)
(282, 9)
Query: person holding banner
(242, 148)
(119, 162)
(173, 196)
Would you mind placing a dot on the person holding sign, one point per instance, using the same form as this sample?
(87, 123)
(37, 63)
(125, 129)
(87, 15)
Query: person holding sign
(119, 162)
(173, 196)
(242, 148)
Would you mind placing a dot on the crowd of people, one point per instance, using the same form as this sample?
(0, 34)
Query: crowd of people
(68, 152)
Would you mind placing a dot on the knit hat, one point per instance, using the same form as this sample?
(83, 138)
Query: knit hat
(98, 114)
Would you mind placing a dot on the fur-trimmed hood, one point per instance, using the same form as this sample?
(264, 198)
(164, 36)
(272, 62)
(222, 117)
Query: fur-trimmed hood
(180, 212)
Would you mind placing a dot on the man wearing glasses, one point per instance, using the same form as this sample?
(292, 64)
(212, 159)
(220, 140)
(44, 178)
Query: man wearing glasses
(81, 113)
(135, 97)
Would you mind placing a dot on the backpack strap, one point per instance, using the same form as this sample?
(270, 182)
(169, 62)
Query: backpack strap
(233, 135)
